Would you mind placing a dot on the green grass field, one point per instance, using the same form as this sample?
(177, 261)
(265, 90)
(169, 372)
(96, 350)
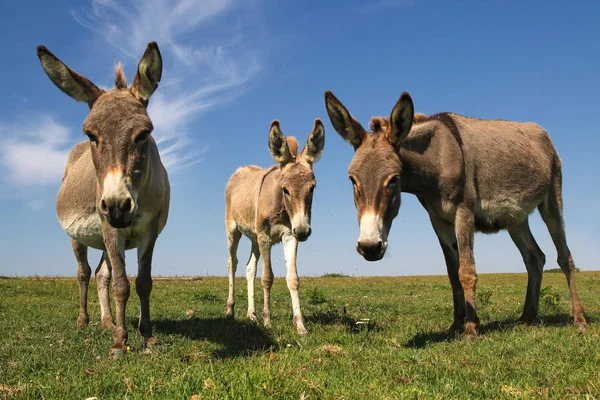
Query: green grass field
(369, 338)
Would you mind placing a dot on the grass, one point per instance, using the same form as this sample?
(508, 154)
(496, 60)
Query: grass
(369, 338)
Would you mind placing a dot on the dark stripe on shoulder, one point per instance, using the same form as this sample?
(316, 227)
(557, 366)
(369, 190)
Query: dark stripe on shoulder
(446, 119)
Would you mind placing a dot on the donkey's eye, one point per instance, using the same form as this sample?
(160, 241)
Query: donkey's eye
(353, 181)
(93, 138)
(392, 182)
(143, 135)
(285, 191)
(311, 190)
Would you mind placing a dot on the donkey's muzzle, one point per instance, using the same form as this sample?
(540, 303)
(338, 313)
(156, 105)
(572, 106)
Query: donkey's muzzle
(118, 212)
(302, 233)
(371, 250)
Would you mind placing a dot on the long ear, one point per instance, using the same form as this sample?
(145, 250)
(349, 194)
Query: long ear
(76, 86)
(348, 128)
(315, 143)
(149, 73)
(278, 145)
(401, 119)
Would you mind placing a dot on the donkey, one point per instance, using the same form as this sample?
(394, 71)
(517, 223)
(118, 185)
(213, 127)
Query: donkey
(269, 206)
(470, 175)
(115, 191)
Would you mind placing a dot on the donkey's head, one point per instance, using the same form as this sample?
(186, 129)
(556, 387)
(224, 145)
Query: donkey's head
(118, 127)
(375, 169)
(297, 177)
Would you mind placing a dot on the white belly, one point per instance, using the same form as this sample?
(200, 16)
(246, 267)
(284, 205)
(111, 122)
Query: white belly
(86, 229)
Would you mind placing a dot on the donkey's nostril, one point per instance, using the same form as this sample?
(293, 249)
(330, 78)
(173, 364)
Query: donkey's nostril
(126, 205)
(103, 207)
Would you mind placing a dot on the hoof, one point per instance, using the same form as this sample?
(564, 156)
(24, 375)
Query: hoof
(302, 332)
(107, 323)
(470, 333)
(252, 316)
(581, 327)
(83, 321)
(230, 314)
(527, 319)
(151, 342)
(456, 327)
(118, 351)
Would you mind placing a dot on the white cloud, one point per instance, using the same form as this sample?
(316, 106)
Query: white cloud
(208, 57)
(34, 151)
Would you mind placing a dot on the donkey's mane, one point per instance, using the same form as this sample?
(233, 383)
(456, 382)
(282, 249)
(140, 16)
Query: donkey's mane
(381, 124)
(120, 79)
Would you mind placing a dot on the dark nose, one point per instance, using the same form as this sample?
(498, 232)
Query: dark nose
(118, 212)
(302, 233)
(371, 251)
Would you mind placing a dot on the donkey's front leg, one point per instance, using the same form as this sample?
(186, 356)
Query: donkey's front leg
(264, 244)
(447, 238)
(115, 250)
(465, 231)
(290, 248)
(143, 283)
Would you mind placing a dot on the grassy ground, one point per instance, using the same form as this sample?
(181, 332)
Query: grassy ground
(369, 338)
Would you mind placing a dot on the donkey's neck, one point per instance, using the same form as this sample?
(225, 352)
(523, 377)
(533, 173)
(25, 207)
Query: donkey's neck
(420, 163)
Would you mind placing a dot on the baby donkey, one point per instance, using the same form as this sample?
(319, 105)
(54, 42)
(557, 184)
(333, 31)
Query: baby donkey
(269, 206)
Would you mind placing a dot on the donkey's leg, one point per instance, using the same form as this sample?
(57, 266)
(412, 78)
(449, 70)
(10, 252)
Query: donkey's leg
(115, 250)
(447, 238)
(465, 230)
(233, 239)
(83, 276)
(250, 277)
(103, 275)
(143, 282)
(264, 245)
(290, 248)
(552, 214)
(534, 260)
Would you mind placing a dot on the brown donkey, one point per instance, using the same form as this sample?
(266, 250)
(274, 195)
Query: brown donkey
(470, 175)
(115, 190)
(269, 206)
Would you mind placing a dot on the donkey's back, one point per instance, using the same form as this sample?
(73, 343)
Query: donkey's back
(242, 197)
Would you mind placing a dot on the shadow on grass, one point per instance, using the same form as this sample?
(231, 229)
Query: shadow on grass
(237, 338)
(423, 339)
(335, 317)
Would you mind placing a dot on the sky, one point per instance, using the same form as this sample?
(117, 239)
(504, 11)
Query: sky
(233, 66)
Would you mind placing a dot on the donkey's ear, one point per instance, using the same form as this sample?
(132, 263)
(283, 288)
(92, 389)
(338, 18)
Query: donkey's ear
(348, 128)
(401, 120)
(278, 145)
(76, 86)
(315, 143)
(149, 73)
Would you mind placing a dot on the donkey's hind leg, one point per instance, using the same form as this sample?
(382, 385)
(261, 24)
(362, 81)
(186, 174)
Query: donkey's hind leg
(233, 239)
(552, 214)
(534, 260)
(83, 276)
(103, 275)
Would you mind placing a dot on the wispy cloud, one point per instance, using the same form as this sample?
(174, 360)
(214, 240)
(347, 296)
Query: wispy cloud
(371, 6)
(34, 151)
(209, 58)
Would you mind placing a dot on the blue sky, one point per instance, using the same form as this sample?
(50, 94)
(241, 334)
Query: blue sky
(231, 67)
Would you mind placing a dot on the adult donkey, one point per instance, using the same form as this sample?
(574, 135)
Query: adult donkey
(269, 206)
(470, 175)
(115, 190)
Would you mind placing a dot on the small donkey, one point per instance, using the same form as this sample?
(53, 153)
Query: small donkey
(269, 206)
(115, 190)
(470, 175)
